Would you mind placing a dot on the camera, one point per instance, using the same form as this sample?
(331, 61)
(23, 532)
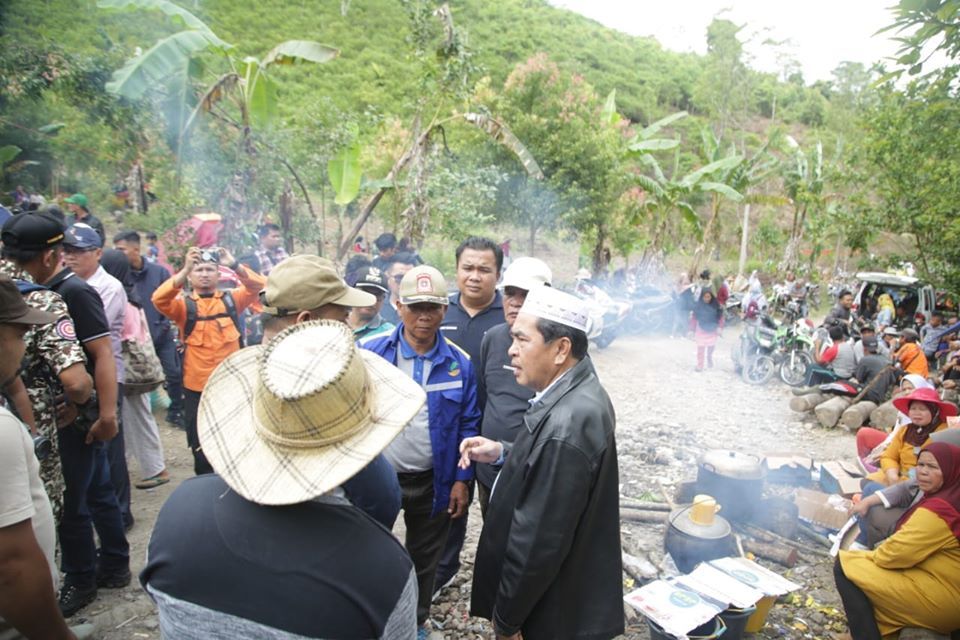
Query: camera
(42, 447)
(210, 254)
(87, 414)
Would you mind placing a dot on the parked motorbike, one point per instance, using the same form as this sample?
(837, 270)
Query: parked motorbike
(731, 310)
(607, 315)
(767, 347)
(652, 310)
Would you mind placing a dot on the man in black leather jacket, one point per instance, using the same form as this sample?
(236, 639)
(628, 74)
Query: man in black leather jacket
(548, 560)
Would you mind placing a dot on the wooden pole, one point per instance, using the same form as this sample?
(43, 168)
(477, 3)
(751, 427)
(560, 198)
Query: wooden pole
(785, 556)
(807, 402)
(828, 413)
(855, 415)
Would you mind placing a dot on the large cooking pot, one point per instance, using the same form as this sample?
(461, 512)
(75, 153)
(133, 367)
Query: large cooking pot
(690, 542)
(735, 479)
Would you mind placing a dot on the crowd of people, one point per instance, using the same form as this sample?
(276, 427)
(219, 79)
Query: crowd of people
(316, 406)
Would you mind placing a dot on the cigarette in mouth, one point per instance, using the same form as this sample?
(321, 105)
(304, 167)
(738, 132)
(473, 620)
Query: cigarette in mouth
(509, 368)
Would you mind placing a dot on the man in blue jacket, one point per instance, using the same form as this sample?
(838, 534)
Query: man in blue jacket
(426, 452)
(147, 277)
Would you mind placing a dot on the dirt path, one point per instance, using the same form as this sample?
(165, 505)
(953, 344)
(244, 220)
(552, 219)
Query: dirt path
(667, 414)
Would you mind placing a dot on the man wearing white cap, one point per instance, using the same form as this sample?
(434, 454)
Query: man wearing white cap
(506, 399)
(548, 560)
(269, 547)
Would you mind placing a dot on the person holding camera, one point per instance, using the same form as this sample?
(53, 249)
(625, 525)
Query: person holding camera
(88, 498)
(28, 574)
(209, 323)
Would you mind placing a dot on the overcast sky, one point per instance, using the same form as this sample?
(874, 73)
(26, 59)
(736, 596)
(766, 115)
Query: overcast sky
(819, 33)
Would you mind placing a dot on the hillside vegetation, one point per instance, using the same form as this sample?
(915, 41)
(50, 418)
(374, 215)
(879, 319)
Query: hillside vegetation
(431, 75)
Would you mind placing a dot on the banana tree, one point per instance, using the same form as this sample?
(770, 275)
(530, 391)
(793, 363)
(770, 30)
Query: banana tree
(9, 153)
(740, 177)
(173, 65)
(666, 196)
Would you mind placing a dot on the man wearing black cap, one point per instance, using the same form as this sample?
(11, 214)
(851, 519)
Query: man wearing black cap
(28, 574)
(82, 452)
(54, 364)
(367, 321)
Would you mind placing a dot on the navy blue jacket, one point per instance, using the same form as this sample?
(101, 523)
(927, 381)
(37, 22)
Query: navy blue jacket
(146, 281)
(451, 404)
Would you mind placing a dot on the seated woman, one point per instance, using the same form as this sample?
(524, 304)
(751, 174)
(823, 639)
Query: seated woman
(886, 311)
(871, 443)
(913, 578)
(880, 512)
(928, 414)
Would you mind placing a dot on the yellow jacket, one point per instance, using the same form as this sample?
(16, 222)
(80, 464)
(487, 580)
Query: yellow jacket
(913, 578)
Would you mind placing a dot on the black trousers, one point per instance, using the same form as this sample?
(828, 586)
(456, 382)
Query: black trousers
(89, 502)
(450, 558)
(483, 494)
(859, 609)
(426, 534)
(191, 404)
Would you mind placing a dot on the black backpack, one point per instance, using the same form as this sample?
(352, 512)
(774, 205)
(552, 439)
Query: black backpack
(193, 318)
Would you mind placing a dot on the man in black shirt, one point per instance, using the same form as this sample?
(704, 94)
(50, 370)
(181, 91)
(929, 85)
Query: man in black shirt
(89, 497)
(507, 400)
(473, 310)
(269, 547)
(841, 314)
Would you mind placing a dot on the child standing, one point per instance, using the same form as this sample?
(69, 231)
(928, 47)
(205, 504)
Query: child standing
(707, 321)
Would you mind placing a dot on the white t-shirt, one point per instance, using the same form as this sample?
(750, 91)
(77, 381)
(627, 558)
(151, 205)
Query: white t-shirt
(22, 495)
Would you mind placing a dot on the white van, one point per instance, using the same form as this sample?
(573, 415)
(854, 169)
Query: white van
(917, 298)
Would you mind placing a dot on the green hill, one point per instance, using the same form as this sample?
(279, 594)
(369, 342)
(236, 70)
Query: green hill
(375, 65)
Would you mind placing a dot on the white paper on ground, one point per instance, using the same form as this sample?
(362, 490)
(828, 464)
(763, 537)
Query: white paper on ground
(678, 611)
(714, 583)
(753, 575)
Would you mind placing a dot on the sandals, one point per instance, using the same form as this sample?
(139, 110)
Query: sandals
(155, 481)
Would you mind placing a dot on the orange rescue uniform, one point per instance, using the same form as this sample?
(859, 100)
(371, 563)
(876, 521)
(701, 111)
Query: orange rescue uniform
(211, 341)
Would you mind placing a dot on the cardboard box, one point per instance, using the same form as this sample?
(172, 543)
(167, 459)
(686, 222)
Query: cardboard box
(822, 509)
(840, 477)
(788, 468)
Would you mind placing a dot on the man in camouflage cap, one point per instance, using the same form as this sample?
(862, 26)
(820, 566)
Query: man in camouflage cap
(54, 364)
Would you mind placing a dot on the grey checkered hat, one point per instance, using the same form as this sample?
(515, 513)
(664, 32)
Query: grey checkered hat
(287, 422)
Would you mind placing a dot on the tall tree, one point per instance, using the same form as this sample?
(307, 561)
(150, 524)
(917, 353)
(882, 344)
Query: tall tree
(723, 91)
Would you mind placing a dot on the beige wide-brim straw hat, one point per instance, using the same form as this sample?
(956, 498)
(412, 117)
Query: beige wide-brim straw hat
(287, 422)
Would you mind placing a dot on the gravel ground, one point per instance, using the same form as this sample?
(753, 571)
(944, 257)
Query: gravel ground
(667, 414)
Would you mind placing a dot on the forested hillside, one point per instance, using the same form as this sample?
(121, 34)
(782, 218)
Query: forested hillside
(473, 98)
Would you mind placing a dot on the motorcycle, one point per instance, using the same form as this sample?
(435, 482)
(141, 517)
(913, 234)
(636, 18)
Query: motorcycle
(652, 310)
(795, 353)
(731, 310)
(767, 347)
(607, 315)
(752, 356)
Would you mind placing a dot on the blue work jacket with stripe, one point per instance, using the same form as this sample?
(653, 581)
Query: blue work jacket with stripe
(451, 388)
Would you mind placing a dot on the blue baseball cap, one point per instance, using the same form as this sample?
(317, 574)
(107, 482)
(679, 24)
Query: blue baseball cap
(82, 236)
